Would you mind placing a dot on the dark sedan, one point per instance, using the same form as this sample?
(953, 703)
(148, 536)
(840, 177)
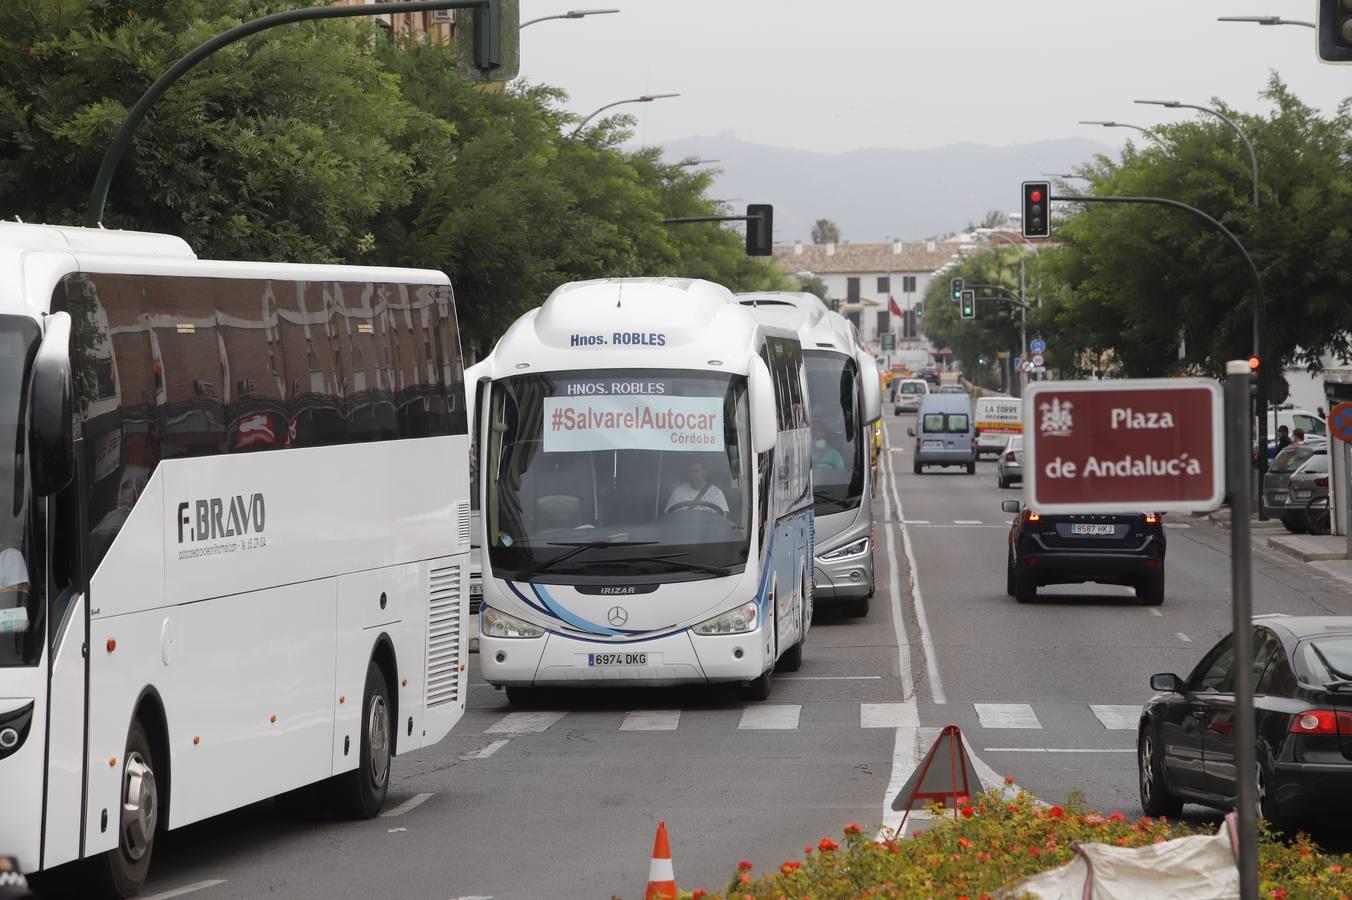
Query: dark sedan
(1108, 548)
(1302, 669)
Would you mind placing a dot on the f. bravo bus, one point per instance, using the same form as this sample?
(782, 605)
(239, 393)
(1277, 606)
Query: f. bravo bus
(646, 492)
(236, 526)
(845, 400)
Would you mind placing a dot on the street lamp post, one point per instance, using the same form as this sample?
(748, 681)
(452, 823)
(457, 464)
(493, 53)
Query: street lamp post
(1266, 20)
(1108, 123)
(689, 163)
(646, 98)
(1260, 311)
(571, 14)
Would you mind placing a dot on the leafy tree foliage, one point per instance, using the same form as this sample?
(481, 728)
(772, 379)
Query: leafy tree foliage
(824, 231)
(325, 142)
(1127, 282)
(975, 342)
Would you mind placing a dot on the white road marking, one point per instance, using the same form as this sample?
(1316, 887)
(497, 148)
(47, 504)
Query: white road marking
(408, 805)
(1006, 715)
(770, 717)
(905, 757)
(524, 723)
(1156, 612)
(1055, 750)
(651, 720)
(828, 678)
(968, 522)
(1182, 637)
(1117, 717)
(395, 830)
(1177, 525)
(186, 889)
(926, 641)
(912, 521)
(894, 591)
(888, 715)
(485, 752)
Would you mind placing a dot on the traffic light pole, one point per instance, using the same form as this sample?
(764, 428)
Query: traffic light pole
(1259, 314)
(122, 140)
(759, 240)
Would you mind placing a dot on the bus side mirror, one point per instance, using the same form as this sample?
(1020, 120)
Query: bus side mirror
(52, 439)
(873, 391)
(764, 419)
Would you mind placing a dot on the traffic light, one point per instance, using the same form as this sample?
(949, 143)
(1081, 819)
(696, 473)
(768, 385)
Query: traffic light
(760, 229)
(1334, 33)
(487, 45)
(969, 304)
(920, 310)
(1037, 201)
(1253, 364)
(955, 286)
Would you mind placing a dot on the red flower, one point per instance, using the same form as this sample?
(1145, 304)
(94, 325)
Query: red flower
(1278, 894)
(1335, 868)
(1035, 851)
(1304, 851)
(964, 843)
(789, 868)
(1093, 819)
(808, 849)
(699, 892)
(1009, 779)
(1117, 817)
(967, 812)
(1056, 812)
(826, 844)
(983, 856)
(744, 866)
(964, 800)
(744, 878)
(852, 828)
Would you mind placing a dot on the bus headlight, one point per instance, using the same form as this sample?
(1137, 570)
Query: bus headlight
(855, 548)
(496, 623)
(735, 621)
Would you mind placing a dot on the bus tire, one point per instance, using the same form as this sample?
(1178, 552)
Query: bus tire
(759, 689)
(857, 608)
(361, 792)
(122, 870)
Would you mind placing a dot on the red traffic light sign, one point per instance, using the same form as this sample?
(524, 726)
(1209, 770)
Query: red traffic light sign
(1340, 422)
(1037, 218)
(1142, 445)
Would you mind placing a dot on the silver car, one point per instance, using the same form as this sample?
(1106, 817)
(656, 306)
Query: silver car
(1308, 508)
(1277, 500)
(1010, 467)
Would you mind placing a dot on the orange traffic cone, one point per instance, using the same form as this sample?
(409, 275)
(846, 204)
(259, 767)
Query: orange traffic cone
(661, 876)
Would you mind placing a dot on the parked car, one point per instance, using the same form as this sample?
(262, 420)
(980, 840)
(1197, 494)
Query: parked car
(1107, 548)
(1010, 467)
(1302, 669)
(906, 394)
(1276, 497)
(1310, 493)
(944, 433)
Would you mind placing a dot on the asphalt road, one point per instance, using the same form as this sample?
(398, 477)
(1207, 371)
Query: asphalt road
(564, 800)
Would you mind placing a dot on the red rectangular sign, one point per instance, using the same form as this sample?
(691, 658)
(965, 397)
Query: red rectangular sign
(1149, 445)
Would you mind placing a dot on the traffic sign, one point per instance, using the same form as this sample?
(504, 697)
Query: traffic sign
(1038, 346)
(1340, 422)
(1037, 359)
(1147, 445)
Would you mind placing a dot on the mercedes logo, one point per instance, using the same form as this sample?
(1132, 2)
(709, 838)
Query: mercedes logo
(617, 616)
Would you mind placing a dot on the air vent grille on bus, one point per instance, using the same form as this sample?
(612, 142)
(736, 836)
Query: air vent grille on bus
(443, 636)
(462, 520)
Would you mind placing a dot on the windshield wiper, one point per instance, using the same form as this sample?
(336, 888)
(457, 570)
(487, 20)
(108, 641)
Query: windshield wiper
(674, 560)
(577, 547)
(1337, 684)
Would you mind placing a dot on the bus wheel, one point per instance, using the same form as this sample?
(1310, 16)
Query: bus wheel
(362, 792)
(760, 688)
(123, 869)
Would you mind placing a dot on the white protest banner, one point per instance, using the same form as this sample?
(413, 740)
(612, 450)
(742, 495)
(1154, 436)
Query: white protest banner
(632, 423)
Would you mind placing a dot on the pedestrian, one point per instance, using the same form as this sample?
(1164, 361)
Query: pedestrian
(1283, 438)
(1298, 437)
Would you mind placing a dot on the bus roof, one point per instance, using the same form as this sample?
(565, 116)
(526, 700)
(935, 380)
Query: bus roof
(635, 323)
(818, 328)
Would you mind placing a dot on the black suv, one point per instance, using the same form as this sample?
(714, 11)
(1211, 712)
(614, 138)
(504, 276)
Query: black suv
(1109, 548)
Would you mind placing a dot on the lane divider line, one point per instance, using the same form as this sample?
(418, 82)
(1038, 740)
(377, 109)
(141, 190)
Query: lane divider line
(408, 805)
(186, 889)
(936, 683)
(485, 751)
(1182, 637)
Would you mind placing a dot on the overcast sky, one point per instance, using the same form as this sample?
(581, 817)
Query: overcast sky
(836, 75)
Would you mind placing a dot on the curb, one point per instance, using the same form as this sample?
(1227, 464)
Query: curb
(1304, 555)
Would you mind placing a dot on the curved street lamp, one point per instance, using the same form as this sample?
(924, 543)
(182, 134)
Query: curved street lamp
(1253, 158)
(646, 98)
(1266, 20)
(1108, 123)
(571, 14)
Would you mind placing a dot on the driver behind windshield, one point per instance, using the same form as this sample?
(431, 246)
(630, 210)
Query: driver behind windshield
(696, 490)
(825, 456)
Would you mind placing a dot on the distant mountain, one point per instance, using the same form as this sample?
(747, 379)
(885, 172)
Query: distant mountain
(878, 194)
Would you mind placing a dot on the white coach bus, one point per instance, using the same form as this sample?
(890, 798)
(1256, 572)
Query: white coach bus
(235, 525)
(845, 399)
(646, 492)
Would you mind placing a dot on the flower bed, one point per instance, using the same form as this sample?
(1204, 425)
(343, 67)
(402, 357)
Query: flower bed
(993, 841)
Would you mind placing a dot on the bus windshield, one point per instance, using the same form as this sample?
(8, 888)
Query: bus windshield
(20, 604)
(837, 450)
(605, 474)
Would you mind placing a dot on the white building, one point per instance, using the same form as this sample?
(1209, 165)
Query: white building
(860, 278)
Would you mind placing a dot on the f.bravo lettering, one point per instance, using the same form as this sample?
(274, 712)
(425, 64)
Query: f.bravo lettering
(215, 518)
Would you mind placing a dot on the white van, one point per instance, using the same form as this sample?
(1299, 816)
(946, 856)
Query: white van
(997, 420)
(907, 394)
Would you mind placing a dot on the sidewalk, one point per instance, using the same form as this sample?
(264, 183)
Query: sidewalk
(1327, 553)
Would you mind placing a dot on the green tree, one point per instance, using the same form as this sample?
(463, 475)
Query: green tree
(1130, 281)
(996, 326)
(824, 231)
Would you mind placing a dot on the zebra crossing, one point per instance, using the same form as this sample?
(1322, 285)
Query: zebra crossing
(993, 717)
